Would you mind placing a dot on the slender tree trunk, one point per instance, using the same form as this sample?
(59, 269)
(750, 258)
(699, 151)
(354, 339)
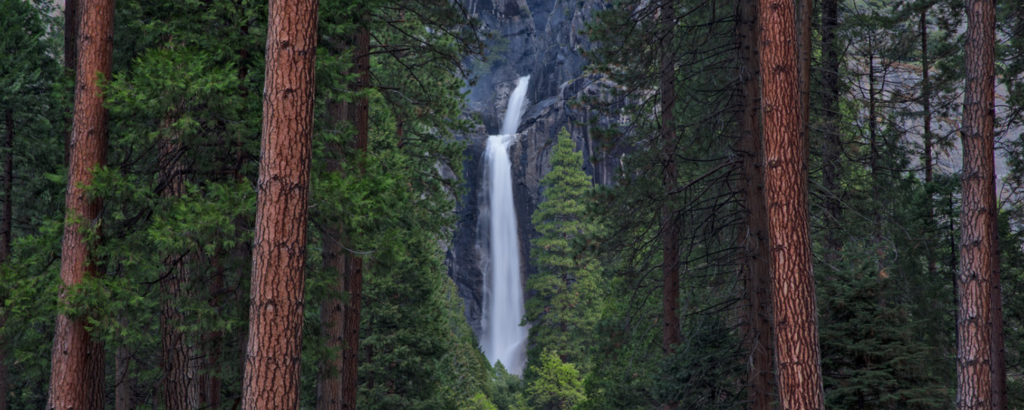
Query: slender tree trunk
(926, 107)
(70, 386)
(670, 231)
(332, 310)
(926, 103)
(329, 384)
(181, 381)
(832, 149)
(794, 311)
(279, 256)
(70, 63)
(754, 266)
(122, 379)
(353, 263)
(974, 281)
(209, 393)
(999, 399)
(872, 116)
(6, 235)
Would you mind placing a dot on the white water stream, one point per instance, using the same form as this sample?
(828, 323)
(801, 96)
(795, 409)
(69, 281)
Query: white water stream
(503, 339)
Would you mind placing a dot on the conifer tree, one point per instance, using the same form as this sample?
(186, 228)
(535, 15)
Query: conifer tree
(565, 305)
(974, 276)
(557, 385)
(76, 357)
(279, 254)
(794, 308)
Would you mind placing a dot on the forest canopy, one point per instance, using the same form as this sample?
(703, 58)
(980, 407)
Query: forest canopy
(511, 204)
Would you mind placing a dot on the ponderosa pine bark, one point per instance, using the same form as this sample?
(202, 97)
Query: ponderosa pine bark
(999, 393)
(209, 380)
(273, 349)
(181, 381)
(974, 278)
(670, 231)
(754, 260)
(76, 358)
(353, 263)
(794, 310)
(332, 310)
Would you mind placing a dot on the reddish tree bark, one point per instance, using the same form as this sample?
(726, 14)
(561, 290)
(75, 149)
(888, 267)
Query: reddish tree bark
(353, 263)
(279, 256)
(74, 354)
(754, 259)
(181, 381)
(999, 393)
(209, 380)
(974, 286)
(332, 310)
(794, 307)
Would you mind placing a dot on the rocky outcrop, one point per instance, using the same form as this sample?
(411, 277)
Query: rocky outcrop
(541, 39)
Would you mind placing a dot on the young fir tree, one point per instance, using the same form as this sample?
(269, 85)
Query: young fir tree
(557, 385)
(871, 358)
(565, 305)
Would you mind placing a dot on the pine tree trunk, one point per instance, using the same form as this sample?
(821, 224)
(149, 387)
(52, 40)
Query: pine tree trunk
(332, 310)
(181, 381)
(209, 384)
(354, 264)
(122, 379)
(832, 148)
(794, 307)
(96, 367)
(999, 399)
(70, 384)
(754, 266)
(279, 256)
(926, 107)
(872, 116)
(670, 230)
(6, 235)
(974, 287)
(70, 63)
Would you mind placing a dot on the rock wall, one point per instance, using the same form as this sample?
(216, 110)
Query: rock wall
(541, 39)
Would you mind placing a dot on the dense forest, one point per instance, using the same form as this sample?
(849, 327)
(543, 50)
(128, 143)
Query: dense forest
(511, 204)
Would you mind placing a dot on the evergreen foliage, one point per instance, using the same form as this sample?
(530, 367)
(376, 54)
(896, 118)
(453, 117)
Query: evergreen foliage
(185, 99)
(557, 385)
(567, 287)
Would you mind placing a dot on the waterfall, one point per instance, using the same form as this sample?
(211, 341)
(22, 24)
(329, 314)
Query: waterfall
(516, 105)
(503, 339)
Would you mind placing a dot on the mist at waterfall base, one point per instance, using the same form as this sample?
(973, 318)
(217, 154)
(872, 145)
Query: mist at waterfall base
(503, 339)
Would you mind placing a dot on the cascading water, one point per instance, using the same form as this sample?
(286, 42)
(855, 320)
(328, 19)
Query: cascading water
(503, 339)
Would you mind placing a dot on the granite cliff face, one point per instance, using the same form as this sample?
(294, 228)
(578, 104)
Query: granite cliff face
(539, 38)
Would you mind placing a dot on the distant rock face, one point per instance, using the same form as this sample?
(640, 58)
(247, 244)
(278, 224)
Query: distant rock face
(539, 38)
